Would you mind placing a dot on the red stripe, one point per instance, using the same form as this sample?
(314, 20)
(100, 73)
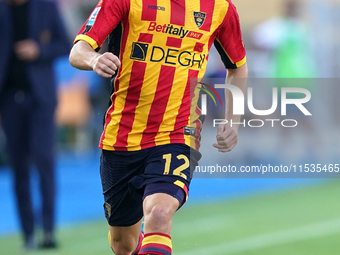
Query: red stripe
(198, 134)
(185, 189)
(184, 111)
(148, 253)
(145, 38)
(198, 124)
(174, 42)
(199, 47)
(155, 118)
(208, 8)
(149, 14)
(108, 115)
(157, 234)
(116, 82)
(124, 40)
(211, 41)
(156, 245)
(131, 102)
(177, 12)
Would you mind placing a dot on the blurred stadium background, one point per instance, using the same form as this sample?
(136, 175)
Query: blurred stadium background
(223, 215)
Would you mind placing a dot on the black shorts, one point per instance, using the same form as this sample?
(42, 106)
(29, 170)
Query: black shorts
(129, 176)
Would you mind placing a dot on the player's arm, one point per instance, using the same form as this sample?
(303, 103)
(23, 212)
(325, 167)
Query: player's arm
(102, 21)
(230, 46)
(227, 135)
(84, 57)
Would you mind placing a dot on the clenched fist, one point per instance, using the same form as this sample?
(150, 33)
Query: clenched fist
(106, 64)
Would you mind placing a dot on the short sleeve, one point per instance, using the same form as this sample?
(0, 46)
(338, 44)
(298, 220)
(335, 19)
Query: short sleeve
(229, 42)
(103, 19)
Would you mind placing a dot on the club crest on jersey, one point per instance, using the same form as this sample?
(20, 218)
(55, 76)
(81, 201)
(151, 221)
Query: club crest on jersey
(108, 211)
(199, 18)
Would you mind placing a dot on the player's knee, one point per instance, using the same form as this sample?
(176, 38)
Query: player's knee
(160, 214)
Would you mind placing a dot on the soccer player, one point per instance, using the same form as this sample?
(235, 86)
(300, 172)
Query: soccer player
(152, 127)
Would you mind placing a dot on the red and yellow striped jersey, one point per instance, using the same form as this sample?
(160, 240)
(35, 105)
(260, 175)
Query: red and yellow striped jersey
(162, 45)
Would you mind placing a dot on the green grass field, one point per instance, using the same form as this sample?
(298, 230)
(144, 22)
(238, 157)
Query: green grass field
(296, 222)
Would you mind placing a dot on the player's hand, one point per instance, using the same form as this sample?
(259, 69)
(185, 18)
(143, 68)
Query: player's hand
(106, 64)
(226, 138)
(27, 50)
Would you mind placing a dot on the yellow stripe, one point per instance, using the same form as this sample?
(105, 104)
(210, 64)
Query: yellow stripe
(241, 62)
(190, 140)
(220, 11)
(157, 239)
(151, 75)
(179, 184)
(173, 105)
(111, 130)
(189, 19)
(182, 185)
(87, 39)
(143, 108)
(162, 17)
(109, 237)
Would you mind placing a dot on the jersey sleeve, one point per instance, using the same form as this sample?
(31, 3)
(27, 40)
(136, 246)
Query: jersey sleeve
(228, 41)
(103, 19)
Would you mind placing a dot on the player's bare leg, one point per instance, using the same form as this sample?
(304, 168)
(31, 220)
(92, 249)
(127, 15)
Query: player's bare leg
(124, 240)
(158, 209)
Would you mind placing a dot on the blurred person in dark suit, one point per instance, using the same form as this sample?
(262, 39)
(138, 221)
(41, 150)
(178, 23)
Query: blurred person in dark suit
(32, 36)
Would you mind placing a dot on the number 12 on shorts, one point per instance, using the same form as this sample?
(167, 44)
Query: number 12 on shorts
(179, 169)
